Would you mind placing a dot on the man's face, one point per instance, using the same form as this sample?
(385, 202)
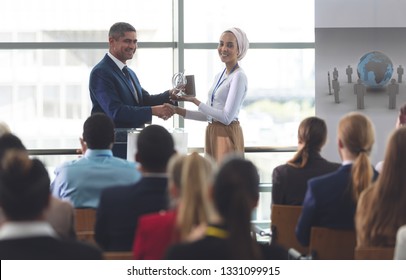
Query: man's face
(124, 48)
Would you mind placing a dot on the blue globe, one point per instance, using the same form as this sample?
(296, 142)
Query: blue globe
(375, 69)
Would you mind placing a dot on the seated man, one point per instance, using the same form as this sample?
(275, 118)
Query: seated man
(81, 181)
(119, 208)
(24, 197)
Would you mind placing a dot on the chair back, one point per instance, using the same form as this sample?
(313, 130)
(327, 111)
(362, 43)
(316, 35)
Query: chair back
(125, 255)
(283, 224)
(332, 244)
(374, 253)
(85, 219)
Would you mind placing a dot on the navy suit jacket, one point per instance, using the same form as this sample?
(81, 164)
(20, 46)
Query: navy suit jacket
(120, 207)
(111, 93)
(328, 203)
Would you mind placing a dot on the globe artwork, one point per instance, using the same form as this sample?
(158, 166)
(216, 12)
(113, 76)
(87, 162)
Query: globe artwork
(375, 69)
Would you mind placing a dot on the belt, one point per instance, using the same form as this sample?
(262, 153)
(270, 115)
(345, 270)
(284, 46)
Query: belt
(217, 122)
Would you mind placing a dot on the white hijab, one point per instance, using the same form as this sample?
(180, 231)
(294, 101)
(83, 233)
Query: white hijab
(242, 41)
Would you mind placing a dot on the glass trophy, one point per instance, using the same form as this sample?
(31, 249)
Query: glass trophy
(179, 82)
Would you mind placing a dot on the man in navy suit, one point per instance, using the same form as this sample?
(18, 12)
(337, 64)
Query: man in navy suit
(116, 91)
(119, 208)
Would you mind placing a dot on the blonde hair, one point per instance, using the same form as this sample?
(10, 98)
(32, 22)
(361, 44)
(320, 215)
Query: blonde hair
(381, 207)
(356, 132)
(196, 175)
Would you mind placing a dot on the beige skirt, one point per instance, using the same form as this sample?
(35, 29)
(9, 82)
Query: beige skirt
(222, 140)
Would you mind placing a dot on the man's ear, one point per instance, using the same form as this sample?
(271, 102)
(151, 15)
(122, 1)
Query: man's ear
(340, 143)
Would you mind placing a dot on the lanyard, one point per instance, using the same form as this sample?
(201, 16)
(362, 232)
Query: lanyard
(219, 82)
(216, 232)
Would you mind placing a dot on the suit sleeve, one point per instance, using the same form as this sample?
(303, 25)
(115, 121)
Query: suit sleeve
(307, 218)
(277, 190)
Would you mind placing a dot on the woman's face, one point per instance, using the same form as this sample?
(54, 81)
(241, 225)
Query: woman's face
(228, 48)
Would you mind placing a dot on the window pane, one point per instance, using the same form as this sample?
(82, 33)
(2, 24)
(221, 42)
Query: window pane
(83, 21)
(262, 20)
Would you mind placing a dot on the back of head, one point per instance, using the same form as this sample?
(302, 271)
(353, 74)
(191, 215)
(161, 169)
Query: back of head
(356, 133)
(196, 177)
(98, 131)
(236, 193)
(4, 129)
(10, 141)
(155, 146)
(24, 186)
(312, 134)
(118, 29)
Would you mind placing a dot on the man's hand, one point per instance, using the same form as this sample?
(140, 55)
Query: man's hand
(163, 111)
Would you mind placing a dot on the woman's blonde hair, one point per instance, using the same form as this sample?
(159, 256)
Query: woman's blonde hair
(383, 205)
(356, 133)
(196, 174)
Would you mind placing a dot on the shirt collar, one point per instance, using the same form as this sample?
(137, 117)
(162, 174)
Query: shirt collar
(347, 162)
(98, 153)
(116, 61)
(14, 230)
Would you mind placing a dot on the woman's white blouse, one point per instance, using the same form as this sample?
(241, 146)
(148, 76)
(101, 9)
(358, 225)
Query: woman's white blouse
(228, 99)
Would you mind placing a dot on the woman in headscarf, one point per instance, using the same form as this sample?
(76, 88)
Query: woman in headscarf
(225, 98)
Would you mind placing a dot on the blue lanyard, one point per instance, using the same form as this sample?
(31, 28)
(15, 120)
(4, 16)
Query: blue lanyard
(219, 82)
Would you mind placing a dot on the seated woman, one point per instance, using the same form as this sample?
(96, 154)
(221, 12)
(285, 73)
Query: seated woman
(400, 122)
(289, 181)
(331, 199)
(234, 195)
(24, 197)
(381, 208)
(188, 178)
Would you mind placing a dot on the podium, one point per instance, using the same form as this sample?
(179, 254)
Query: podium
(180, 138)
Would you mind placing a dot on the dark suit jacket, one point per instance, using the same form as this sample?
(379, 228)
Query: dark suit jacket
(289, 184)
(46, 248)
(328, 203)
(120, 207)
(111, 93)
(214, 248)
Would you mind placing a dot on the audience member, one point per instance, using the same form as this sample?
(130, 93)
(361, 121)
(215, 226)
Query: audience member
(188, 180)
(59, 213)
(81, 181)
(289, 181)
(24, 196)
(331, 199)
(400, 121)
(381, 208)
(400, 248)
(228, 236)
(119, 208)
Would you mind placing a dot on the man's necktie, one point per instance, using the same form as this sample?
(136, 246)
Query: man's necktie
(127, 75)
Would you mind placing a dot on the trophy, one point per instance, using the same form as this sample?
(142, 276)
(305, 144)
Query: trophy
(179, 82)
